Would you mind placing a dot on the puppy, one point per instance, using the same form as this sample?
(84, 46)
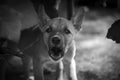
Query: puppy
(56, 44)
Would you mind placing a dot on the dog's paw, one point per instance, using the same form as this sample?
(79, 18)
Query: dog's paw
(73, 79)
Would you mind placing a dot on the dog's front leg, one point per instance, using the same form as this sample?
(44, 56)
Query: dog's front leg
(37, 69)
(59, 71)
(3, 66)
(26, 66)
(73, 74)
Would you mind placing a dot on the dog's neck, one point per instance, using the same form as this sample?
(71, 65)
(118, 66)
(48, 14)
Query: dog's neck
(43, 47)
(73, 49)
(70, 52)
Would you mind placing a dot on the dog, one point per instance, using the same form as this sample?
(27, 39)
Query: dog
(14, 19)
(56, 44)
(113, 31)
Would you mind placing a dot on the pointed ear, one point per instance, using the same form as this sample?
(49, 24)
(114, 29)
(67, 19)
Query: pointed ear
(77, 18)
(43, 17)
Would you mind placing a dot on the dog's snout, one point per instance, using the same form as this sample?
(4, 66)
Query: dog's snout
(56, 40)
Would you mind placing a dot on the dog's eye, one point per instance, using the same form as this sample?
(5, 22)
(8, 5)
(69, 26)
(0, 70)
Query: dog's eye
(48, 30)
(67, 31)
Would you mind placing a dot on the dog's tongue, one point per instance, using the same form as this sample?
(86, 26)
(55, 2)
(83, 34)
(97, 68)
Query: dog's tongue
(56, 50)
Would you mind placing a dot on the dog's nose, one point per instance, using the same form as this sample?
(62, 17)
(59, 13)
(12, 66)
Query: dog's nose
(56, 40)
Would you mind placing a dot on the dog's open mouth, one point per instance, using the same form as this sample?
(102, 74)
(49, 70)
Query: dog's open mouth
(56, 53)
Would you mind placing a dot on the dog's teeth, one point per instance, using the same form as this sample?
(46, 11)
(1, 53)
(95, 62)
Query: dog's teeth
(56, 57)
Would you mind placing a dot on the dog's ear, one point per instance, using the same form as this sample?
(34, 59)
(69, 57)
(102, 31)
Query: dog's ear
(43, 17)
(77, 18)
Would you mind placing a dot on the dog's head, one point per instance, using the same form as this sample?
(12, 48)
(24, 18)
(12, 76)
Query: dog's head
(58, 33)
